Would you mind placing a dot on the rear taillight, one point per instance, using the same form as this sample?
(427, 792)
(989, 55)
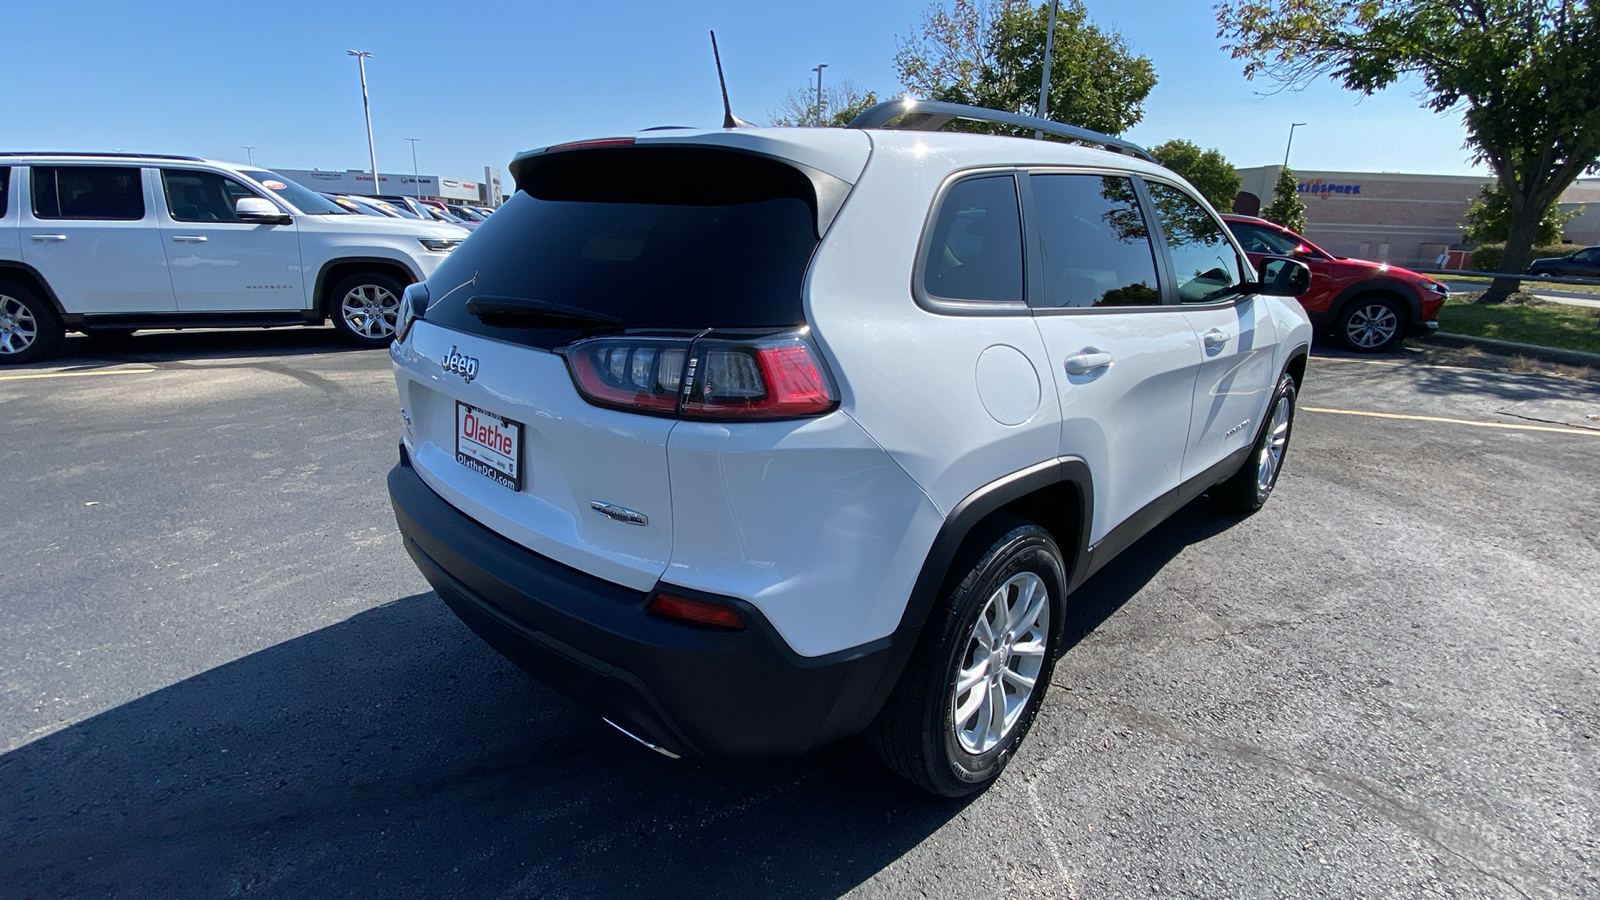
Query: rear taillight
(775, 377)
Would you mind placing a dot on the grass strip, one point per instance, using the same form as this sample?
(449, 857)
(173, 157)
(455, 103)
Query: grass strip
(1545, 324)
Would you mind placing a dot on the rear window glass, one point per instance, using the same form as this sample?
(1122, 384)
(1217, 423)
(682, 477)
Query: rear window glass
(88, 192)
(649, 237)
(975, 250)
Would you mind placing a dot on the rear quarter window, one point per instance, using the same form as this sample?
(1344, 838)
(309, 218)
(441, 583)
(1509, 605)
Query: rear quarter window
(974, 251)
(113, 193)
(5, 191)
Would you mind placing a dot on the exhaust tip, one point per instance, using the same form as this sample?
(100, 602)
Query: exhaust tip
(657, 748)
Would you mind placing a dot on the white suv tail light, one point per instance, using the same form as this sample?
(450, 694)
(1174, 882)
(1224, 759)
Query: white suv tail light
(772, 377)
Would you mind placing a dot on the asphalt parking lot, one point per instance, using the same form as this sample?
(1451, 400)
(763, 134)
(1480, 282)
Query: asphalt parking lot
(221, 676)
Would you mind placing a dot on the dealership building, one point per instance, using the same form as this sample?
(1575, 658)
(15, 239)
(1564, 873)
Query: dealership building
(426, 187)
(1393, 217)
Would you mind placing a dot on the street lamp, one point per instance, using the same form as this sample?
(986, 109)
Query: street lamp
(372, 149)
(1292, 127)
(1044, 80)
(416, 181)
(248, 157)
(818, 70)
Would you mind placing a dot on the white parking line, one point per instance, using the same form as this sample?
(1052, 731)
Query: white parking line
(79, 374)
(1591, 432)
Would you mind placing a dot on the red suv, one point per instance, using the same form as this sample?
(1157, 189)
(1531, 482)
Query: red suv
(1367, 306)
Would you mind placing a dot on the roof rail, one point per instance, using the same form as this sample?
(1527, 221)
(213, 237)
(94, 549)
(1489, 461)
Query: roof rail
(931, 115)
(115, 155)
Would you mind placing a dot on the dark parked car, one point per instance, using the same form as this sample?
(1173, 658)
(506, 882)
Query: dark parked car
(1583, 263)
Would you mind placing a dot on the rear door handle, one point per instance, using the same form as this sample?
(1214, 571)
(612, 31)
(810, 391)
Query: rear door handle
(190, 238)
(1216, 338)
(1087, 362)
(48, 237)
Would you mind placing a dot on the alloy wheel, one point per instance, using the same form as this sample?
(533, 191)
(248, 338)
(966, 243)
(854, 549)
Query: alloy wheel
(18, 327)
(1001, 663)
(1372, 326)
(1272, 452)
(371, 311)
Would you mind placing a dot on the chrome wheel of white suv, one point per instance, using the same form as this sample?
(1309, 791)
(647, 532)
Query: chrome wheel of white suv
(18, 327)
(366, 308)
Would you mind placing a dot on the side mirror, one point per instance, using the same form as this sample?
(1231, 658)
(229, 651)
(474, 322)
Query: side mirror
(1283, 277)
(259, 209)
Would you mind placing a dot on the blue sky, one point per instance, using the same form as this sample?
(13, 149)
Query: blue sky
(479, 81)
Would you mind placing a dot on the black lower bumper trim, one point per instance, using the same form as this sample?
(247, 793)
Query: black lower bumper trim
(687, 689)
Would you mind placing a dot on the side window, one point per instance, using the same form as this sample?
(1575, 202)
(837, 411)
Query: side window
(87, 192)
(1097, 248)
(5, 191)
(202, 196)
(975, 251)
(1264, 240)
(1204, 264)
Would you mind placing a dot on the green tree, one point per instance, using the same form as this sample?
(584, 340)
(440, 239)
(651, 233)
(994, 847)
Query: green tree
(1524, 73)
(991, 53)
(840, 103)
(1287, 209)
(1208, 170)
(1488, 219)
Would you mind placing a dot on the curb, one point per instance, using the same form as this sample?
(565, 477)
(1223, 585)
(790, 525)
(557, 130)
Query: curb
(1511, 348)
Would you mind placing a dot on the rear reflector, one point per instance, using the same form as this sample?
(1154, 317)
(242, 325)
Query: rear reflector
(698, 612)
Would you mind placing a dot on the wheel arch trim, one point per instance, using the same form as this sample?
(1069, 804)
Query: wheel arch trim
(977, 506)
(14, 268)
(325, 280)
(1399, 289)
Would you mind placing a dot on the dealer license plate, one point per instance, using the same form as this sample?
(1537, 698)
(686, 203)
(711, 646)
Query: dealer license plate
(489, 444)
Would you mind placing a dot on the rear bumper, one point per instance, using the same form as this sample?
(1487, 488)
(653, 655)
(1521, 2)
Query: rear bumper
(687, 689)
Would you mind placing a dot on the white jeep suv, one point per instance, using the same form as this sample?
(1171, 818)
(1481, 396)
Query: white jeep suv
(109, 243)
(755, 438)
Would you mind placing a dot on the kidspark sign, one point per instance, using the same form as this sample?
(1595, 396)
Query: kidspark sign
(1326, 189)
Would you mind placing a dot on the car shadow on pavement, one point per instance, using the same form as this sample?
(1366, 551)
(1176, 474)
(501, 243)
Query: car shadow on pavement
(158, 346)
(1097, 599)
(395, 755)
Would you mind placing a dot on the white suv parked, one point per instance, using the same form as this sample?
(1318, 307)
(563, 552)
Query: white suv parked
(109, 243)
(755, 438)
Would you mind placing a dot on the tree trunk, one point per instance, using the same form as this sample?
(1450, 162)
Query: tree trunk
(1524, 227)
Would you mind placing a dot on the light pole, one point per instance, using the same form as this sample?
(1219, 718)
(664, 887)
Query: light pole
(416, 181)
(1044, 82)
(818, 70)
(372, 149)
(1292, 127)
(248, 157)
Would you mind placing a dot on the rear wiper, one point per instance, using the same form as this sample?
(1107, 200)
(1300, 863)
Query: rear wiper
(520, 311)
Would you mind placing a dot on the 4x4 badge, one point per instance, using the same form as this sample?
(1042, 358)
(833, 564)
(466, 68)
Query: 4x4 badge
(460, 364)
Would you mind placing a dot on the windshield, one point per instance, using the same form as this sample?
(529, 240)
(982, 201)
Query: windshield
(301, 198)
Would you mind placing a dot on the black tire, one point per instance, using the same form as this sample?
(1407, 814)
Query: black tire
(365, 307)
(916, 734)
(30, 330)
(1249, 488)
(1371, 323)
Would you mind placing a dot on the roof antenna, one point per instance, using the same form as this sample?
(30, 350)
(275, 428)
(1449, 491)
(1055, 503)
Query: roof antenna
(729, 120)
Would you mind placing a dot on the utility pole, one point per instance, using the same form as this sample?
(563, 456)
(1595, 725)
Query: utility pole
(372, 149)
(1044, 82)
(818, 70)
(248, 157)
(416, 180)
(1292, 127)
